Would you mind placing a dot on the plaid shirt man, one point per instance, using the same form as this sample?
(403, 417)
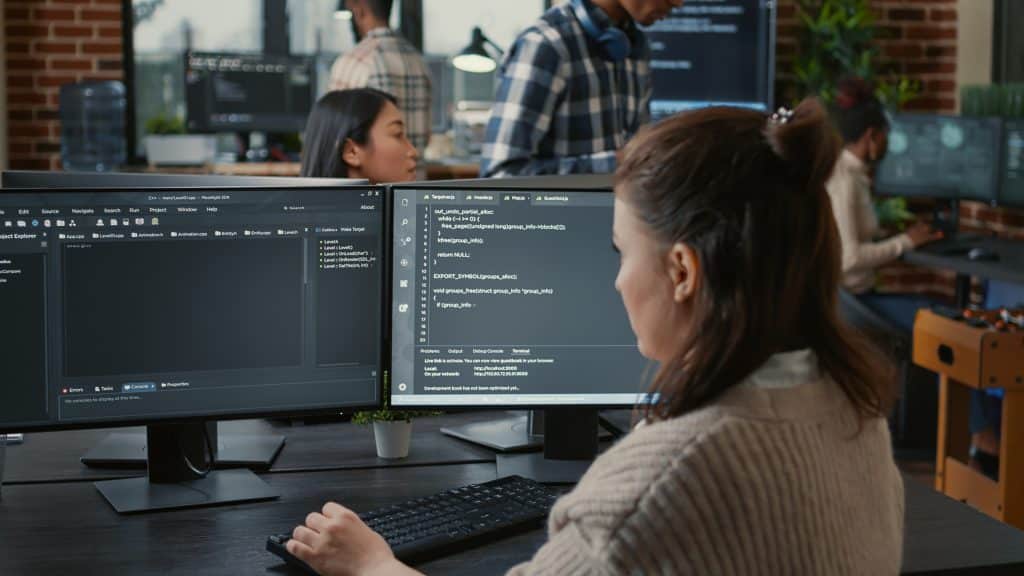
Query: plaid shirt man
(386, 61)
(562, 106)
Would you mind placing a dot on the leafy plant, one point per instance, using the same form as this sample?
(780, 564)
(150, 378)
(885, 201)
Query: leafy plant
(162, 124)
(893, 213)
(385, 413)
(837, 39)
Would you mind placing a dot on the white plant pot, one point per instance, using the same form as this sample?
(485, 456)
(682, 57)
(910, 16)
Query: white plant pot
(180, 149)
(392, 438)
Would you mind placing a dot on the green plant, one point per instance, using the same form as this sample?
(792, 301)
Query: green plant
(162, 124)
(893, 213)
(837, 39)
(385, 413)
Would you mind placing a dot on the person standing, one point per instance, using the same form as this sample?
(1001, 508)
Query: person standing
(385, 60)
(573, 89)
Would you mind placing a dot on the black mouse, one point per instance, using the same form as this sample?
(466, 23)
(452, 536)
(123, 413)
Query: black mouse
(982, 254)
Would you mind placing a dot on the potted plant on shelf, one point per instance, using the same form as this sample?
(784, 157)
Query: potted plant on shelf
(167, 143)
(392, 429)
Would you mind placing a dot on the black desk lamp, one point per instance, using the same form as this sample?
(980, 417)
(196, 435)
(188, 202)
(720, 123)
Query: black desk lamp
(475, 58)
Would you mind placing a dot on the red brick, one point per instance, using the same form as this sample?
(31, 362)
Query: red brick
(27, 31)
(940, 51)
(18, 148)
(108, 31)
(35, 130)
(889, 32)
(938, 15)
(19, 115)
(934, 86)
(25, 64)
(46, 81)
(55, 48)
(51, 14)
(47, 147)
(907, 14)
(14, 14)
(18, 47)
(69, 31)
(931, 68)
(21, 163)
(71, 64)
(113, 64)
(99, 15)
(903, 51)
(931, 104)
(47, 114)
(930, 33)
(101, 48)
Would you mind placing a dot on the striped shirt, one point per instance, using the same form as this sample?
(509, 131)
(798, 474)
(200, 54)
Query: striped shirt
(386, 61)
(561, 106)
(771, 478)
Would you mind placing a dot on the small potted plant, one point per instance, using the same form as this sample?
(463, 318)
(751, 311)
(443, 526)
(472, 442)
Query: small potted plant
(392, 429)
(168, 144)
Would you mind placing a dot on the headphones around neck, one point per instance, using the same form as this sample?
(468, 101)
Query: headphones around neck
(614, 42)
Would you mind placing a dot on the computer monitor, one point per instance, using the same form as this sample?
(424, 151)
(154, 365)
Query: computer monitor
(692, 47)
(59, 179)
(939, 156)
(1011, 189)
(168, 307)
(505, 298)
(248, 92)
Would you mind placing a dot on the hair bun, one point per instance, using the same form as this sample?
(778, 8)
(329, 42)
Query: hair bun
(807, 141)
(853, 91)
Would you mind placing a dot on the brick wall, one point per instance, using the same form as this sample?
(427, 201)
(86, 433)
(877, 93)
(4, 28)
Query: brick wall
(49, 43)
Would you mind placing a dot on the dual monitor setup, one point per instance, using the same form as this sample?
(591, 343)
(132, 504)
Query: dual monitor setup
(174, 302)
(955, 158)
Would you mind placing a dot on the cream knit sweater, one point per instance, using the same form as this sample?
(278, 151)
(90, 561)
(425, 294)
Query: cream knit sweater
(849, 189)
(773, 478)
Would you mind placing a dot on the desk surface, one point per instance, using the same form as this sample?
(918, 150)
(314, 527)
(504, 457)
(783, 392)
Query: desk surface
(54, 456)
(1009, 267)
(68, 527)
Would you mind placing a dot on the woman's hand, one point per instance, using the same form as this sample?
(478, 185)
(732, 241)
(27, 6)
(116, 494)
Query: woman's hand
(921, 234)
(336, 542)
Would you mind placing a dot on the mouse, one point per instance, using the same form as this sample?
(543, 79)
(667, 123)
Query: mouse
(982, 254)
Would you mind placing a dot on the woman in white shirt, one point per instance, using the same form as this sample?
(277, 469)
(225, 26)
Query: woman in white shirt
(863, 124)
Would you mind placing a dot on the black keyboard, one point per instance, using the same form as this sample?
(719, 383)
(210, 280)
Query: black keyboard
(425, 528)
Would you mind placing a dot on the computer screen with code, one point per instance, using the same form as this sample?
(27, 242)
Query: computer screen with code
(155, 304)
(507, 297)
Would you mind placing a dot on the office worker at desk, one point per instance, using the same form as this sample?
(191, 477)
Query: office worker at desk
(767, 451)
(573, 89)
(385, 60)
(863, 124)
(358, 133)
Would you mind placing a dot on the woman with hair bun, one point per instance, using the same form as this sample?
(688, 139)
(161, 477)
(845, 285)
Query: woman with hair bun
(864, 126)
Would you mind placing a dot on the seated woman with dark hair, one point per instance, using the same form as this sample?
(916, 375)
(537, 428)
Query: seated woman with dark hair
(358, 133)
(767, 451)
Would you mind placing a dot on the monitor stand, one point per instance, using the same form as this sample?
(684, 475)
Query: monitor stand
(570, 446)
(128, 450)
(172, 483)
(514, 434)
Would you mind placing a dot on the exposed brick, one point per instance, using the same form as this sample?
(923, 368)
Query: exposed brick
(23, 63)
(889, 32)
(47, 114)
(47, 81)
(53, 14)
(15, 14)
(938, 15)
(22, 163)
(101, 48)
(934, 86)
(21, 47)
(110, 65)
(108, 32)
(55, 48)
(27, 31)
(931, 68)
(935, 51)
(907, 14)
(29, 131)
(99, 15)
(18, 115)
(72, 31)
(71, 64)
(930, 33)
(47, 147)
(903, 51)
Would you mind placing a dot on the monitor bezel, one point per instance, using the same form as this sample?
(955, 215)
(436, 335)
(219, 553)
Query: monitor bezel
(385, 328)
(518, 185)
(1001, 198)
